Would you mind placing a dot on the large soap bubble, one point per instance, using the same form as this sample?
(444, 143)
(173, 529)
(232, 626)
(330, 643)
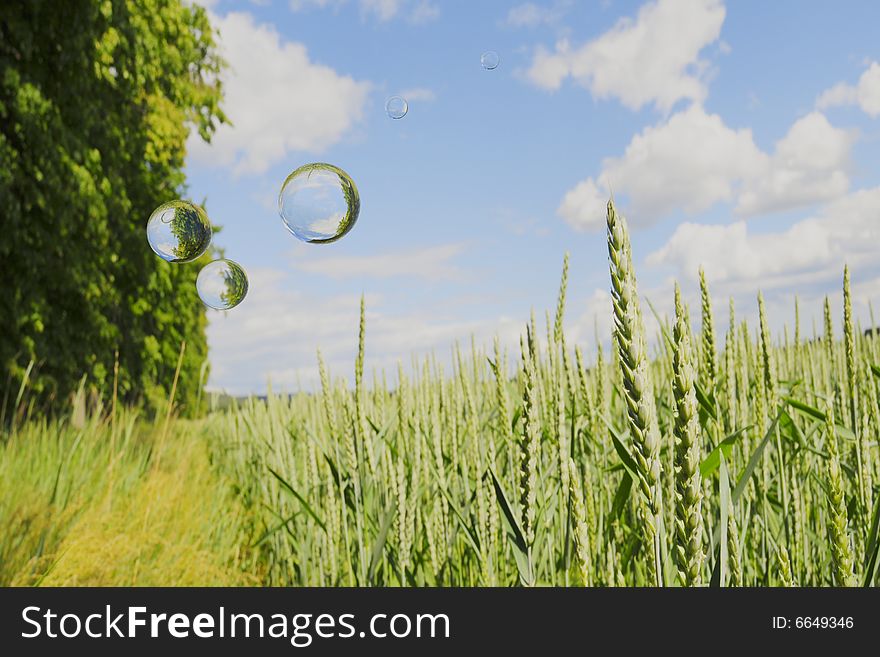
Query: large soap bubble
(222, 284)
(319, 203)
(179, 231)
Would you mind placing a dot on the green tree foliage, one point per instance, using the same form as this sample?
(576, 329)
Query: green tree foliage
(96, 102)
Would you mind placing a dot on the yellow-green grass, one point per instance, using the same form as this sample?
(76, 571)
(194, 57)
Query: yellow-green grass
(84, 503)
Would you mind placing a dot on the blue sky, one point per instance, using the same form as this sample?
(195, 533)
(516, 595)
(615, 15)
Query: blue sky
(739, 136)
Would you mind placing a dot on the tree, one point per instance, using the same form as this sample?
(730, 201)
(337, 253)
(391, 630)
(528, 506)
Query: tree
(97, 100)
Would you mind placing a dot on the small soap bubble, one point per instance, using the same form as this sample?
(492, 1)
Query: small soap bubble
(222, 284)
(319, 203)
(179, 231)
(396, 107)
(490, 60)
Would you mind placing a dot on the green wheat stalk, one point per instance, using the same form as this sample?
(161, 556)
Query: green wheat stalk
(528, 445)
(580, 526)
(841, 549)
(709, 361)
(638, 388)
(688, 488)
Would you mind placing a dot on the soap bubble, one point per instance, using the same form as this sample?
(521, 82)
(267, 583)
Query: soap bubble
(490, 60)
(222, 284)
(396, 107)
(319, 203)
(179, 231)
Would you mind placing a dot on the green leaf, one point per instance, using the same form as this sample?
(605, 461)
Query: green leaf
(711, 462)
(517, 414)
(514, 532)
(744, 478)
(379, 544)
(299, 497)
(628, 461)
(274, 529)
(813, 412)
(382, 432)
(706, 403)
(873, 548)
(754, 460)
(622, 495)
(719, 536)
(724, 493)
(333, 470)
(507, 512)
(790, 431)
(805, 408)
(469, 532)
(348, 494)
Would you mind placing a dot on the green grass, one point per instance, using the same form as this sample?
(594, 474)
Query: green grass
(85, 501)
(750, 465)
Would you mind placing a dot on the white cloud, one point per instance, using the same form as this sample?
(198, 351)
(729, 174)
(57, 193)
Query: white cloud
(690, 161)
(424, 12)
(811, 250)
(274, 334)
(694, 160)
(304, 5)
(840, 94)
(529, 14)
(269, 330)
(806, 260)
(277, 99)
(869, 91)
(730, 252)
(808, 165)
(594, 321)
(653, 59)
(384, 10)
(431, 263)
(865, 94)
(418, 94)
(583, 206)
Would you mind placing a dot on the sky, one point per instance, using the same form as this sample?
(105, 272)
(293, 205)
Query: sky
(740, 137)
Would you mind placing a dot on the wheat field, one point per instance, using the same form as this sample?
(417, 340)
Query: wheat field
(676, 463)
